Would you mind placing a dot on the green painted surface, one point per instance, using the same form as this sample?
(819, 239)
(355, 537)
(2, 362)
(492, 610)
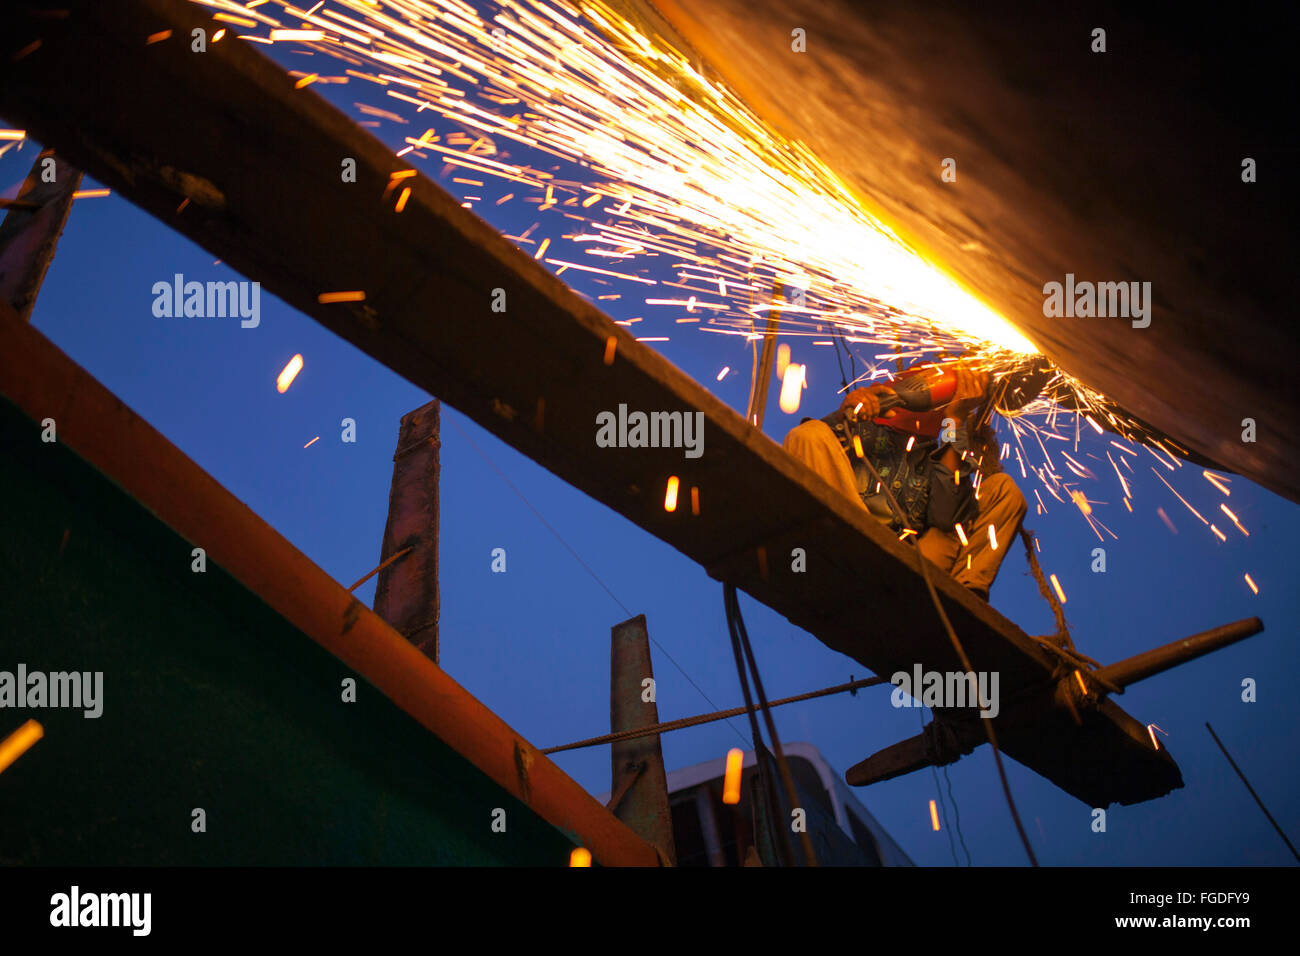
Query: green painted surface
(211, 700)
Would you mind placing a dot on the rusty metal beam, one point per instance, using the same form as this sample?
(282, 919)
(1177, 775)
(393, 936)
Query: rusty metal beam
(31, 228)
(406, 595)
(259, 161)
(95, 424)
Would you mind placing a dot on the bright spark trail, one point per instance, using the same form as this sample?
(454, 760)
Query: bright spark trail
(669, 165)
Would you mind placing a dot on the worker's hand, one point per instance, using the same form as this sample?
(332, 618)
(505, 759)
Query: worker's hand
(868, 399)
(971, 386)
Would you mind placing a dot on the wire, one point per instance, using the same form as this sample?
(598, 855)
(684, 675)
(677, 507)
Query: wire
(943, 806)
(924, 566)
(956, 814)
(740, 636)
(586, 567)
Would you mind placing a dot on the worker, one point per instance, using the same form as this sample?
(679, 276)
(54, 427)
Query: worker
(930, 477)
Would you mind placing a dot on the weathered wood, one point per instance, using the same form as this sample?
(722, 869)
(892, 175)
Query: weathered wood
(31, 228)
(260, 162)
(639, 780)
(407, 594)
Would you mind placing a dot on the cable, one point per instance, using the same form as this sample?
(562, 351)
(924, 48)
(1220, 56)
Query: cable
(783, 845)
(956, 814)
(578, 558)
(943, 806)
(736, 623)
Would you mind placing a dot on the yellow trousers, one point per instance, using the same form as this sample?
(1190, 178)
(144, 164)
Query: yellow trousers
(975, 564)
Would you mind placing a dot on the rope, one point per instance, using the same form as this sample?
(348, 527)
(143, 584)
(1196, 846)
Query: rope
(1062, 635)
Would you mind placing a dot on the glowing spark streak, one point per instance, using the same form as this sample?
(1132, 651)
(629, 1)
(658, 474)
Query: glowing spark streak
(312, 442)
(1151, 729)
(1060, 593)
(326, 298)
(695, 500)
(13, 134)
(792, 388)
(670, 496)
(304, 35)
(1165, 518)
(288, 374)
(731, 779)
(961, 534)
(1217, 482)
(611, 344)
(993, 538)
(723, 373)
(541, 250)
(306, 81)
(934, 816)
(91, 193)
(19, 742)
(604, 272)
(1079, 677)
(1251, 582)
(1221, 536)
(1178, 496)
(157, 37)
(402, 199)
(1233, 518)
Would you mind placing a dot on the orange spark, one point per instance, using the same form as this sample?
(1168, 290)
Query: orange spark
(327, 298)
(401, 200)
(670, 496)
(580, 856)
(611, 344)
(157, 37)
(934, 816)
(731, 779)
(288, 374)
(312, 442)
(19, 742)
(1251, 582)
(1060, 593)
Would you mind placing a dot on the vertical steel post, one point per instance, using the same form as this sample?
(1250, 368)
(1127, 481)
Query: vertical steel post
(406, 595)
(644, 806)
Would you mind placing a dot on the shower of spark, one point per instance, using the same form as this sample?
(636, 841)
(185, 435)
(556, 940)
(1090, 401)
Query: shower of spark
(665, 165)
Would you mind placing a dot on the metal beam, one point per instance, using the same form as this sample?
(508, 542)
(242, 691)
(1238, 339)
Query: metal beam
(260, 162)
